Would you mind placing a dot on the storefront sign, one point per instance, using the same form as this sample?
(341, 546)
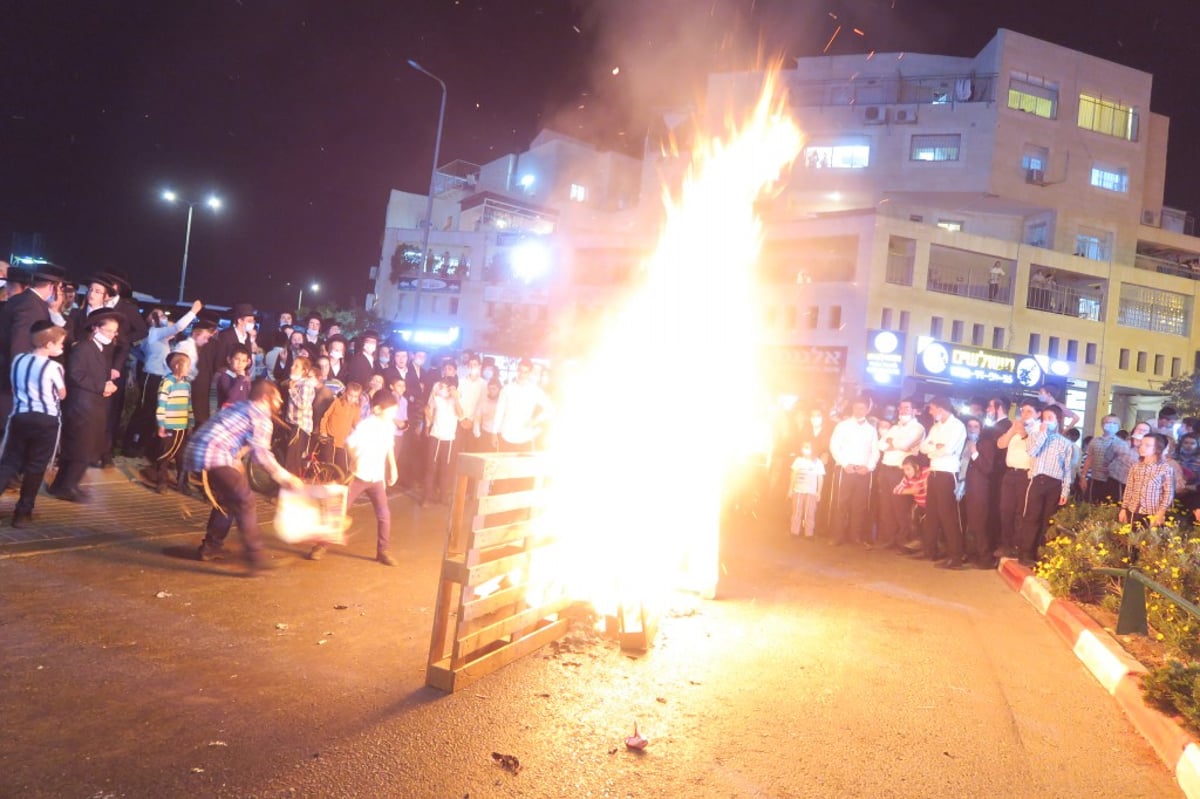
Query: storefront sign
(885, 356)
(434, 285)
(975, 364)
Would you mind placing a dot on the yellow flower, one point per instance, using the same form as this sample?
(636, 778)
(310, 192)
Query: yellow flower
(1159, 636)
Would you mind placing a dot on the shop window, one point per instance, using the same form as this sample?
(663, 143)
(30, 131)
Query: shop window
(1035, 343)
(935, 326)
(1159, 364)
(977, 335)
(1072, 350)
(997, 338)
(1123, 359)
(1176, 367)
(956, 331)
(1141, 361)
(904, 321)
(1052, 347)
(885, 319)
(1089, 356)
(835, 317)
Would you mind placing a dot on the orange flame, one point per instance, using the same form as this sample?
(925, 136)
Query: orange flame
(653, 417)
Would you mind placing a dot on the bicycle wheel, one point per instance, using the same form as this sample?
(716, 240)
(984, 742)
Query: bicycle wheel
(258, 478)
(320, 472)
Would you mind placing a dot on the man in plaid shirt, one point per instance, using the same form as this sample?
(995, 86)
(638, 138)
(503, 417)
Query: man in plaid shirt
(1049, 484)
(216, 449)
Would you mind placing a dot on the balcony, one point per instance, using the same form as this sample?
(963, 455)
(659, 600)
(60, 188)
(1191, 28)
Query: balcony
(969, 274)
(909, 90)
(1066, 294)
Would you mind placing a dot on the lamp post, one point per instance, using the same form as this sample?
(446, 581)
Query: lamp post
(437, 146)
(314, 288)
(212, 202)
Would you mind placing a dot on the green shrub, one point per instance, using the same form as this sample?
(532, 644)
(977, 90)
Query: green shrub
(1175, 689)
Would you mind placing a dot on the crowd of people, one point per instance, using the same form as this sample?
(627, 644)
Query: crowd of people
(964, 488)
(204, 396)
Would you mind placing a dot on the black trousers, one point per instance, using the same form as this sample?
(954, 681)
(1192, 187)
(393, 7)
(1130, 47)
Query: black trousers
(977, 509)
(941, 517)
(1041, 501)
(28, 448)
(115, 409)
(1103, 491)
(439, 468)
(892, 510)
(167, 451)
(234, 501)
(143, 425)
(1013, 487)
(853, 494)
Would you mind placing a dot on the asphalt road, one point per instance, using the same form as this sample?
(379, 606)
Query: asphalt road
(817, 672)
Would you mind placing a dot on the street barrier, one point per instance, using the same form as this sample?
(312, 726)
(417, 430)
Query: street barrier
(1131, 617)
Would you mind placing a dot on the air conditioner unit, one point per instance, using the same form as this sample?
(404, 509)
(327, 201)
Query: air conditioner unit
(875, 114)
(905, 116)
(1035, 176)
(1150, 218)
(373, 273)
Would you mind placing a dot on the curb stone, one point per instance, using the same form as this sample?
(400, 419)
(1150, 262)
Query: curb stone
(1119, 673)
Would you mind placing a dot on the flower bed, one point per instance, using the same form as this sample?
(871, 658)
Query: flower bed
(1083, 537)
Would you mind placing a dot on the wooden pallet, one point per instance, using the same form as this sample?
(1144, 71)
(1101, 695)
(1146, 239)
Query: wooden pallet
(493, 533)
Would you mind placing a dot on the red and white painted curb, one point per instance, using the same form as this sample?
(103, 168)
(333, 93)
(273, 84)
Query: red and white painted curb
(1119, 673)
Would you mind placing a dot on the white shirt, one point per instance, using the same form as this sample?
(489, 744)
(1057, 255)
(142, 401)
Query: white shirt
(515, 411)
(1017, 454)
(470, 392)
(369, 443)
(445, 421)
(853, 443)
(905, 440)
(952, 435)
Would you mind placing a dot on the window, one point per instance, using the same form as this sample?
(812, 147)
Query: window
(935, 148)
(977, 335)
(811, 316)
(885, 319)
(997, 338)
(1095, 245)
(791, 317)
(1110, 179)
(1141, 361)
(837, 156)
(1090, 353)
(578, 193)
(953, 225)
(1035, 343)
(454, 305)
(935, 326)
(1052, 347)
(1155, 310)
(1035, 157)
(956, 331)
(1072, 350)
(1108, 117)
(1035, 234)
(835, 317)
(904, 321)
(1159, 363)
(1123, 359)
(1033, 95)
(1176, 366)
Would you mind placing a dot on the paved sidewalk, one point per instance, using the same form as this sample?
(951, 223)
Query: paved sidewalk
(121, 508)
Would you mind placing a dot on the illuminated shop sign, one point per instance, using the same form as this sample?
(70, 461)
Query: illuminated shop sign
(975, 364)
(885, 356)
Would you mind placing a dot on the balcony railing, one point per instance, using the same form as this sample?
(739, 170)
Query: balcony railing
(1080, 302)
(1165, 266)
(969, 283)
(908, 90)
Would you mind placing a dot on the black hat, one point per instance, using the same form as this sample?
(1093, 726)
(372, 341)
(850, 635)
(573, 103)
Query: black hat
(49, 273)
(242, 309)
(335, 338)
(121, 279)
(311, 316)
(174, 356)
(97, 318)
(106, 280)
(368, 333)
(203, 324)
(17, 274)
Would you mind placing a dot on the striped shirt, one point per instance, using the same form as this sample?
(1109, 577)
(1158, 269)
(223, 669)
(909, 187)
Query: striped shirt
(1051, 454)
(174, 404)
(1150, 489)
(1101, 453)
(220, 440)
(301, 393)
(37, 384)
(920, 483)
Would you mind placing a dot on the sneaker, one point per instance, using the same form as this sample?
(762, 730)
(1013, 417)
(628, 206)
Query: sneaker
(317, 552)
(386, 559)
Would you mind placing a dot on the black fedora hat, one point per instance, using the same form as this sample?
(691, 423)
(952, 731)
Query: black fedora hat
(242, 309)
(104, 279)
(97, 318)
(49, 273)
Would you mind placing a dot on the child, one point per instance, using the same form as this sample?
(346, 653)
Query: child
(175, 418)
(39, 386)
(302, 390)
(339, 422)
(1151, 486)
(233, 385)
(807, 475)
(374, 470)
(442, 414)
(914, 484)
(399, 416)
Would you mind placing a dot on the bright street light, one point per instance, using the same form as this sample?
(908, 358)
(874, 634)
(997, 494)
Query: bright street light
(212, 202)
(437, 147)
(314, 288)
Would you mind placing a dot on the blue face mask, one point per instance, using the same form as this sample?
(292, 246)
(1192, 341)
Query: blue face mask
(1031, 425)
(1051, 427)
(972, 436)
(1111, 428)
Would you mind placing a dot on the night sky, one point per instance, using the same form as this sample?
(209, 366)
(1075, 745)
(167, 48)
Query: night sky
(302, 114)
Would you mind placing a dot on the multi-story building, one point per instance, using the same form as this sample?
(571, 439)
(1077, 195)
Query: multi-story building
(1000, 217)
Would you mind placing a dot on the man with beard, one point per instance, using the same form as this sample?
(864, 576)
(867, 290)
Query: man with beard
(16, 322)
(214, 357)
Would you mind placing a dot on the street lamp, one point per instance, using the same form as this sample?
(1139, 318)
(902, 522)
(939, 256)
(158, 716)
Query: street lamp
(212, 202)
(314, 288)
(437, 146)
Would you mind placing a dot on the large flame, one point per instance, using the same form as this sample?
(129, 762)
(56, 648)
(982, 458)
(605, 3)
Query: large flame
(655, 414)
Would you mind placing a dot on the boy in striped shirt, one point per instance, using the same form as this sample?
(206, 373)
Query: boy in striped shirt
(175, 417)
(39, 386)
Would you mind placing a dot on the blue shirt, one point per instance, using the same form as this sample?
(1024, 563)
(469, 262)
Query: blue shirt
(220, 440)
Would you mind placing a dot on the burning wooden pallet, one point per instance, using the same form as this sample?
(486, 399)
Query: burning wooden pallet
(483, 619)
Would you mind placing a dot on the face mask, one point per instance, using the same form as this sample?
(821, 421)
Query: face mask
(904, 418)
(336, 355)
(1031, 425)
(972, 436)
(489, 373)
(368, 348)
(991, 416)
(102, 339)
(1137, 436)
(1111, 428)
(1051, 427)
